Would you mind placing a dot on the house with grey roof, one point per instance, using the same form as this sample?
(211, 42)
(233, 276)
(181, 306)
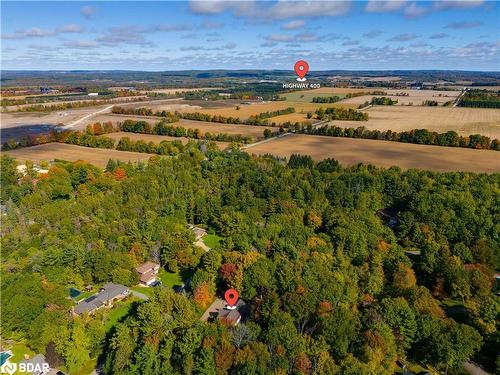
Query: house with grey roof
(108, 294)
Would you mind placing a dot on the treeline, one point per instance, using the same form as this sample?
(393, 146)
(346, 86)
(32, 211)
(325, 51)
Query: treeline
(259, 119)
(168, 116)
(430, 103)
(88, 140)
(163, 148)
(363, 93)
(98, 128)
(163, 128)
(383, 100)
(60, 106)
(204, 95)
(269, 114)
(480, 99)
(326, 99)
(417, 136)
(330, 114)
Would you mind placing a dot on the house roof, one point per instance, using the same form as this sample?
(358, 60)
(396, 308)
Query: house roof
(145, 267)
(108, 292)
(229, 316)
(147, 276)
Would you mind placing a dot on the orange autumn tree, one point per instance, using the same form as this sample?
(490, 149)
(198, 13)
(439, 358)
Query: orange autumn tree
(119, 174)
(202, 295)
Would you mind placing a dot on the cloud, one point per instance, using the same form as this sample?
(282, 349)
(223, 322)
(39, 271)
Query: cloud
(219, 6)
(211, 25)
(350, 43)
(190, 48)
(306, 37)
(293, 25)
(115, 36)
(80, 44)
(70, 28)
(373, 34)
(413, 11)
(34, 32)
(376, 6)
(463, 25)
(227, 46)
(402, 38)
(281, 10)
(279, 38)
(87, 11)
(168, 28)
(463, 4)
(293, 9)
(439, 36)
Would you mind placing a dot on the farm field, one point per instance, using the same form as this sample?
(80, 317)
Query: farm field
(416, 97)
(62, 151)
(180, 104)
(292, 117)
(247, 110)
(306, 96)
(35, 118)
(205, 127)
(183, 89)
(157, 138)
(382, 153)
(464, 121)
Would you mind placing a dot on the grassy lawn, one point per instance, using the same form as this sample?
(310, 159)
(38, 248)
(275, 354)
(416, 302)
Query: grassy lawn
(88, 367)
(83, 296)
(144, 290)
(211, 240)
(119, 311)
(170, 279)
(19, 349)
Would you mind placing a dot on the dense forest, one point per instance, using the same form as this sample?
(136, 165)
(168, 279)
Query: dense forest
(345, 270)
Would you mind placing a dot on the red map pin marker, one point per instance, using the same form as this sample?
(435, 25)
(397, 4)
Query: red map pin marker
(301, 68)
(231, 297)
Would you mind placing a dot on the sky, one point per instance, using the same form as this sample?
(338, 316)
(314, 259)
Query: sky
(172, 35)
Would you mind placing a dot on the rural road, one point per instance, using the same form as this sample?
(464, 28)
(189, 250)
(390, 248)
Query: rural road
(86, 117)
(315, 125)
(108, 109)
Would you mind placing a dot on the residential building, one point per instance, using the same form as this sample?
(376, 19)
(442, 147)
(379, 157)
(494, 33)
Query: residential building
(229, 317)
(108, 294)
(148, 272)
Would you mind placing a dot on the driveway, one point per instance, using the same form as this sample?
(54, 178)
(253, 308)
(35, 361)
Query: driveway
(139, 295)
(216, 305)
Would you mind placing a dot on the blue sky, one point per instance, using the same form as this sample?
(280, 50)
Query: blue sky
(250, 35)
